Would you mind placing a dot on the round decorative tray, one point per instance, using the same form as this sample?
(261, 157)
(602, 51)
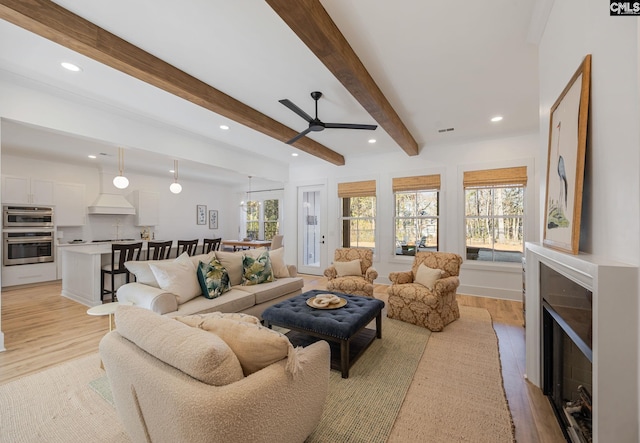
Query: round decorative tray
(311, 302)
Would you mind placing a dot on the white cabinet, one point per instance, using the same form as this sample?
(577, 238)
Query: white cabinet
(146, 204)
(71, 208)
(26, 190)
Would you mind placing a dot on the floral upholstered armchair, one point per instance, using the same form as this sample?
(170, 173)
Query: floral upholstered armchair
(426, 295)
(352, 272)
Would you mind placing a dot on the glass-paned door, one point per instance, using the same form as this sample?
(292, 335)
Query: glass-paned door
(311, 242)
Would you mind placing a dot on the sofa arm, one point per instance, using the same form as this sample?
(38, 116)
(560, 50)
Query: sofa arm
(400, 278)
(331, 272)
(446, 285)
(293, 270)
(371, 274)
(155, 299)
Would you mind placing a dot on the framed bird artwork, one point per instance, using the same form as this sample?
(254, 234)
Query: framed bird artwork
(565, 162)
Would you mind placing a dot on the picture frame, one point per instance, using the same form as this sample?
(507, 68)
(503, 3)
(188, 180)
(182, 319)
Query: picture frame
(213, 219)
(565, 162)
(201, 214)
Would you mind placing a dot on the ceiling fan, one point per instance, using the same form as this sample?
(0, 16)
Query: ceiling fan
(316, 124)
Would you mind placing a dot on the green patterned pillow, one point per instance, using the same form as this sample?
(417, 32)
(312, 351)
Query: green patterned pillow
(213, 278)
(256, 270)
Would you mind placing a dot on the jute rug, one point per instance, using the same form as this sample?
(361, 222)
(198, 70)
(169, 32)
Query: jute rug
(456, 393)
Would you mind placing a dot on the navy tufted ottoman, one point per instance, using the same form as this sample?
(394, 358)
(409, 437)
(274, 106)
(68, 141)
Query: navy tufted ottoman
(342, 326)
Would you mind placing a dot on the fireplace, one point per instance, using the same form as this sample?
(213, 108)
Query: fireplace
(567, 332)
(582, 310)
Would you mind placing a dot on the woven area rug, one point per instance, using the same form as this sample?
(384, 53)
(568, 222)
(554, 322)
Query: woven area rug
(457, 394)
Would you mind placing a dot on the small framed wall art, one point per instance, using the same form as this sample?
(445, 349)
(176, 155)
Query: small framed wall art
(213, 219)
(565, 162)
(201, 214)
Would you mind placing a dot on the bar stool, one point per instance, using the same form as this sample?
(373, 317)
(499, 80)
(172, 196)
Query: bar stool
(188, 246)
(211, 244)
(126, 252)
(159, 250)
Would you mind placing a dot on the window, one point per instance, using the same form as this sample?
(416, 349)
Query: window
(358, 214)
(494, 214)
(417, 213)
(262, 219)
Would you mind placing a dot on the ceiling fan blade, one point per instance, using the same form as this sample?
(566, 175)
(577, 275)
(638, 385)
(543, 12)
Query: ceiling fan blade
(349, 126)
(302, 134)
(289, 104)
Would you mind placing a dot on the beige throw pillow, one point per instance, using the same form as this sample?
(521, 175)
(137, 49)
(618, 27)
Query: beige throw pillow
(255, 346)
(178, 277)
(232, 262)
(427, 276)
(205, 357)
(143, 272)
(278, 265)
(345, 268)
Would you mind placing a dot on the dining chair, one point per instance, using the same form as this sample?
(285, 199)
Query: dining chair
(188, 246)
(159, 250)
(124, 252)
(211, 244)
(276, 241)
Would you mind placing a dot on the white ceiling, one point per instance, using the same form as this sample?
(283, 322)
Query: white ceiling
(440, 66)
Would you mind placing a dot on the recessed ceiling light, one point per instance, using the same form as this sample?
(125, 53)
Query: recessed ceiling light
(294, 154)
(224, 127)
(71, 66)
(92, 156)
(497, 118)
(372, 140)
(172, 170)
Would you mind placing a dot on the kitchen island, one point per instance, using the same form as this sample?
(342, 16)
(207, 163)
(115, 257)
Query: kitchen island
(81, 271)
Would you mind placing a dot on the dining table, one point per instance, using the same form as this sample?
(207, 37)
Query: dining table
(246, 244)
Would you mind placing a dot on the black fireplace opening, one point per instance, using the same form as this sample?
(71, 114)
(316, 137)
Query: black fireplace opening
(567, 352)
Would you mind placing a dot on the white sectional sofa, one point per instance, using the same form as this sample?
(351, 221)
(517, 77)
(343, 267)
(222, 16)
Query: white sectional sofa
(146, 292)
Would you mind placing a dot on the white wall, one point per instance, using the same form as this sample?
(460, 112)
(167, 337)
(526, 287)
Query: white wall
(611, 216)
(477, 278)
(177, 213)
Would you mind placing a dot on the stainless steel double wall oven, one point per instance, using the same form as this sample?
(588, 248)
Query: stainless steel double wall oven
(29, 235)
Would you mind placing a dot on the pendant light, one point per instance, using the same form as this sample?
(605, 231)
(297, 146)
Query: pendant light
(175, 187)
(120, 181)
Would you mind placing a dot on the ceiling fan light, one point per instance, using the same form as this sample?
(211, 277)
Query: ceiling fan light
(175, 187)
(120, 182)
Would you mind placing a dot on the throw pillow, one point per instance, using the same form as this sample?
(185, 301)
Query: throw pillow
(256, 270)
(232, 262)
(205, 357)
(278, 265)
(213, 278)
(178, 277)
(427, 276)
(345, 268)
(143, 272)
(255, 346)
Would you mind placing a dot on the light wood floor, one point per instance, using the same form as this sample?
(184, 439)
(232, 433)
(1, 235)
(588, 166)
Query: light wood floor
(43, 329)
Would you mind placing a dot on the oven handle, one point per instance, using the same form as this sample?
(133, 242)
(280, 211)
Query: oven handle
(22, 212)
(29, 240)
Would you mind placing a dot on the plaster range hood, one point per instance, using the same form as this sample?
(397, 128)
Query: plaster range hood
(110, 202)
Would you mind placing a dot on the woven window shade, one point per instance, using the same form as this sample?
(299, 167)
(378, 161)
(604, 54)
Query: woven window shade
(416, 183)
(496, 177)
(357, 189)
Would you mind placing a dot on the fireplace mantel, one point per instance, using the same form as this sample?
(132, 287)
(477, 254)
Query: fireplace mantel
(615, 334)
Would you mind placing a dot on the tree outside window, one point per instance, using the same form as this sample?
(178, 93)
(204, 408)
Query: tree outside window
(495, 223)
(359, 222)
(416, 221)
(262, 219)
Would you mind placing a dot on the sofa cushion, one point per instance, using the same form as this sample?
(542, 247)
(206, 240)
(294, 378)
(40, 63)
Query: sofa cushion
(255, 346)
(232, 262)
(196, 320)
(178, 277)
(280, 269)
(275, 289)
(213, 278)
(256, 270)
(345, 268)
(427, 276)
(205, 357)
(233, 301)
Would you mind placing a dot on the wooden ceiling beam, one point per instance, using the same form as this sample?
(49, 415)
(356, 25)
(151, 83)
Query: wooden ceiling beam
(51, 21)
(312, 24)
